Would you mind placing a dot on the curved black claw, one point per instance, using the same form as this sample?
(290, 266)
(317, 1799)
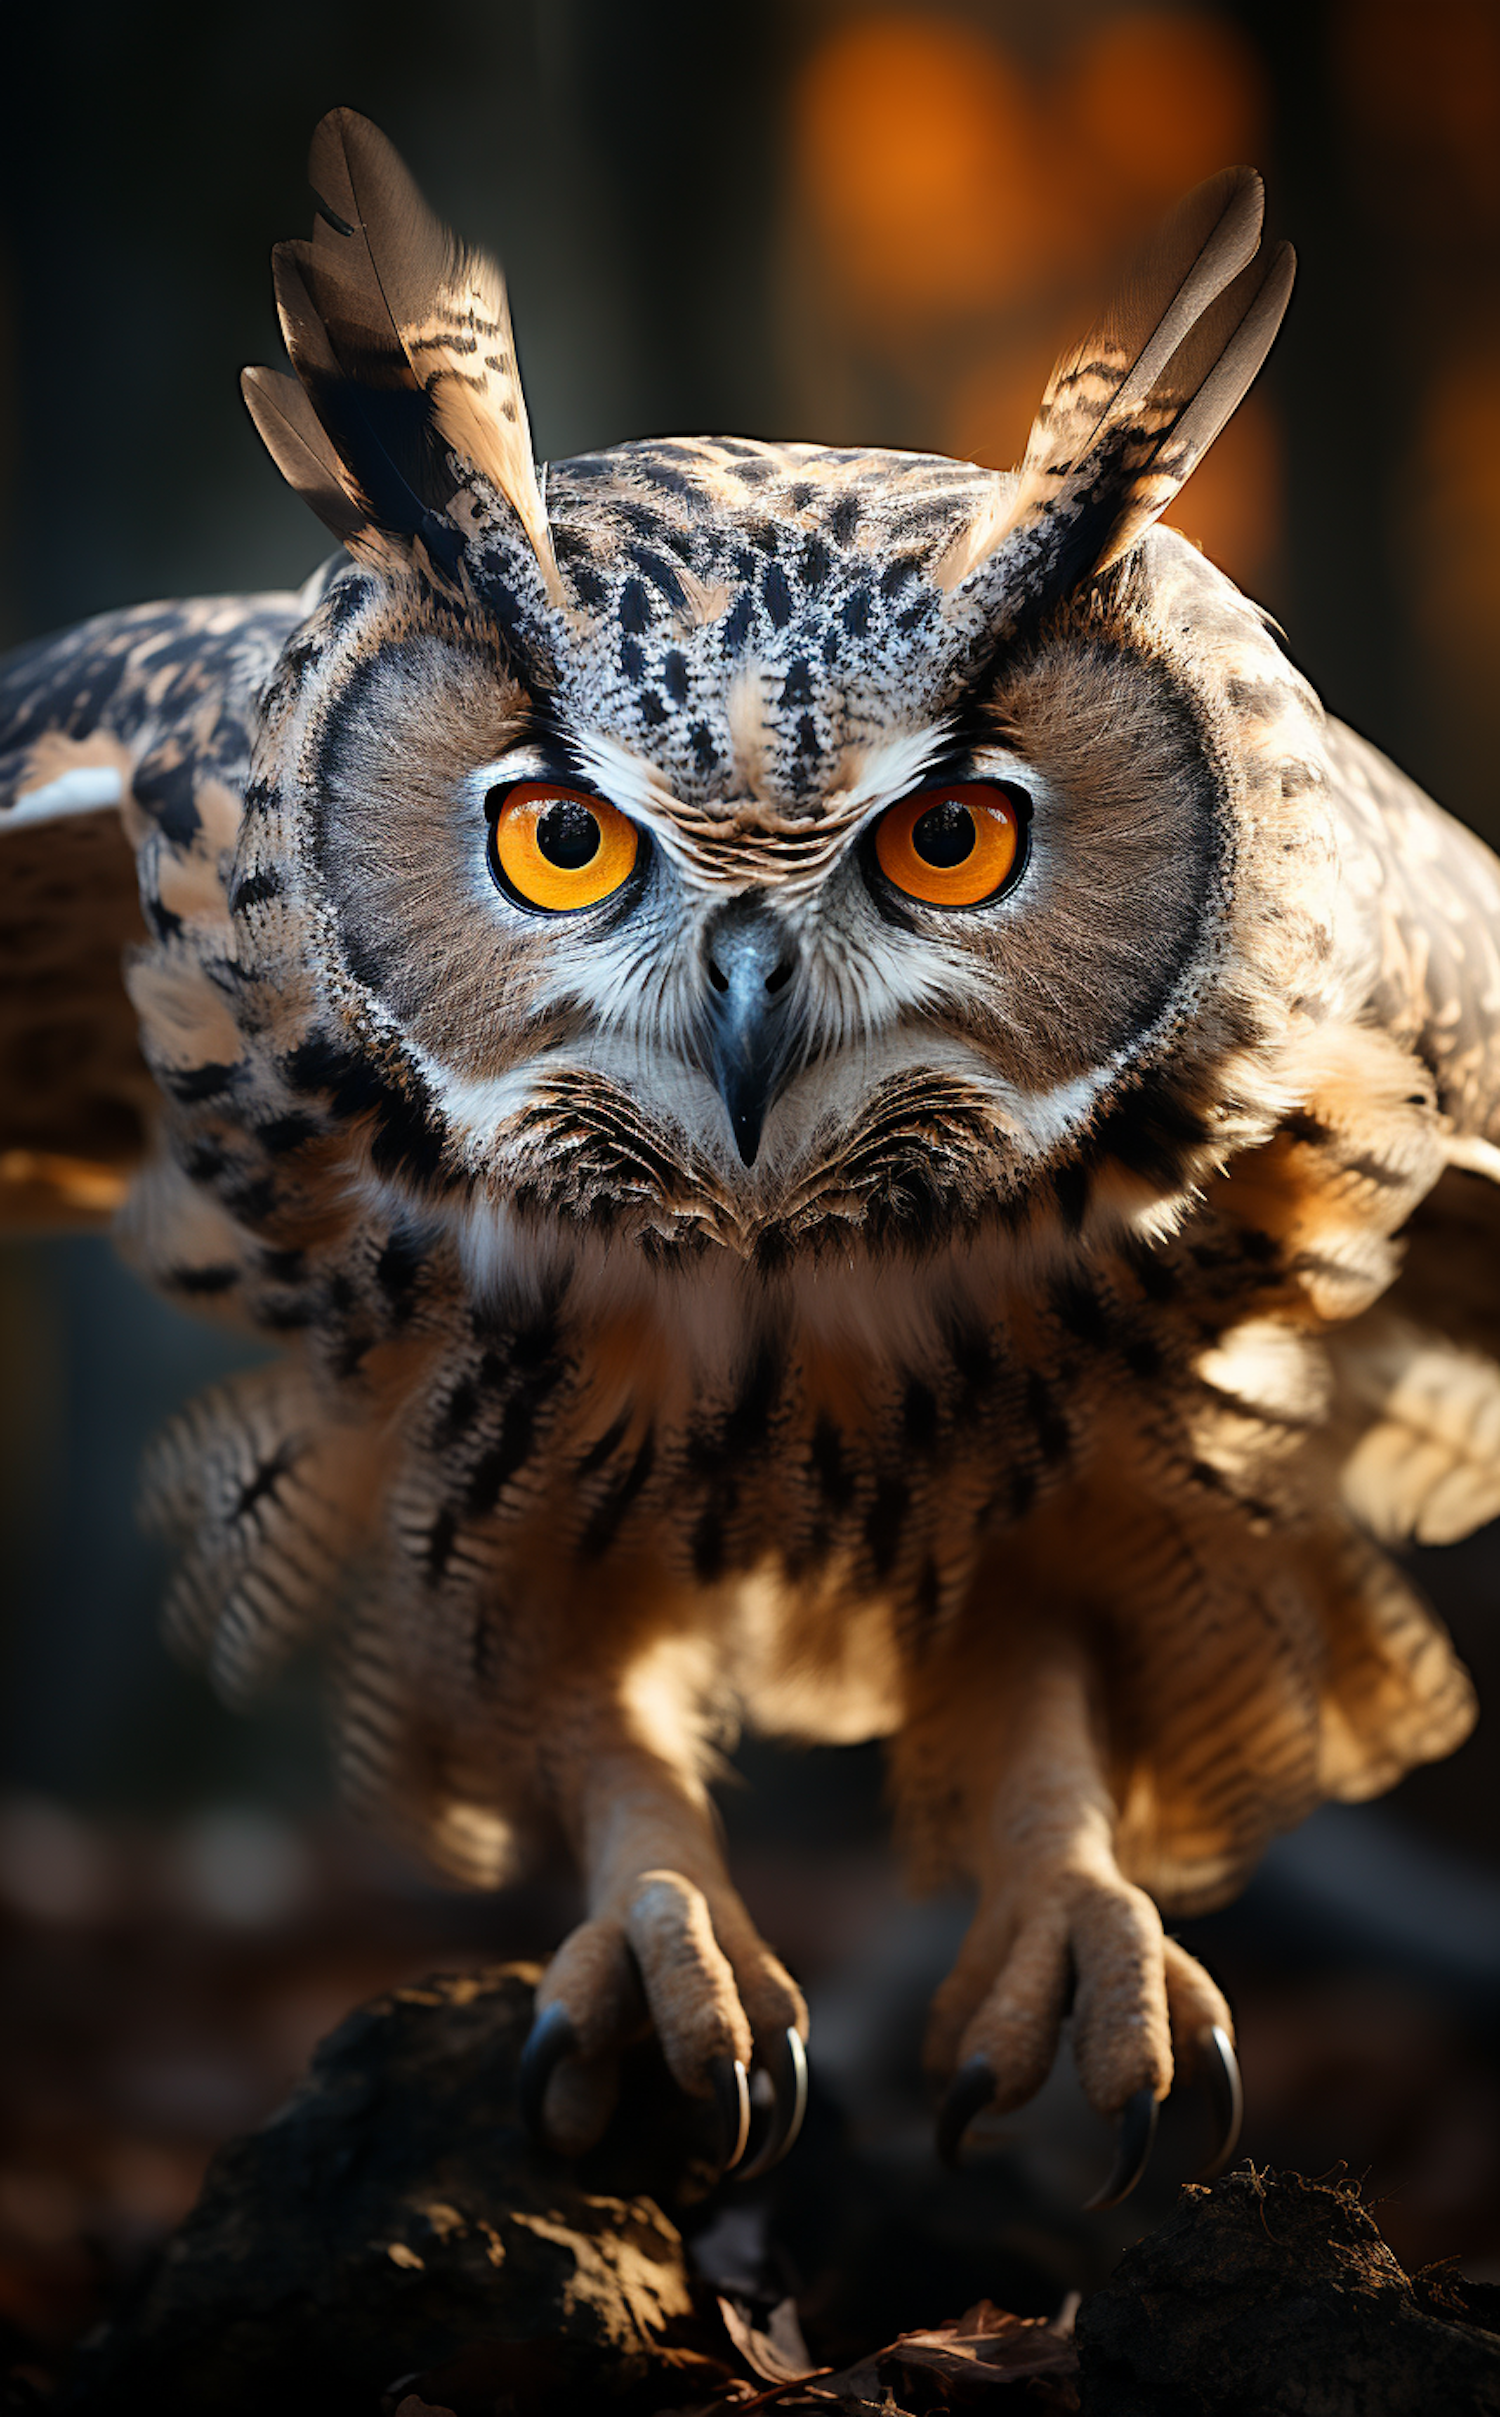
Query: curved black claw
(552, 2038)
(786, 2068)
(968, 2093)
(1132, 2154)
(731, 2088)
(1226, 2091)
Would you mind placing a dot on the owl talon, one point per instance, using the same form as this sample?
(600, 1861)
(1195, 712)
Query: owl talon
(968, 2093)
(1133, 2152)
(786, 2069)
(731, 2089)
(1226, 2092)
(552, 2038)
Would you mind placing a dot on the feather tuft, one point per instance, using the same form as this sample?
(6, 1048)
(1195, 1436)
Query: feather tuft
(402, 344)
(292, 434)
(1132, 409)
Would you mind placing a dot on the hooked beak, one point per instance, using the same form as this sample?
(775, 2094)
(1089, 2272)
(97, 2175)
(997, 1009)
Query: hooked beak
(750, 960)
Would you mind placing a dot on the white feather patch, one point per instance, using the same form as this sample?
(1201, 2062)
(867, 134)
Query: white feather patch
(82, 791)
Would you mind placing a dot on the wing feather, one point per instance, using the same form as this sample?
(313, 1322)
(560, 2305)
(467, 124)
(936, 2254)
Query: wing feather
(124, 748)
(1430, 892)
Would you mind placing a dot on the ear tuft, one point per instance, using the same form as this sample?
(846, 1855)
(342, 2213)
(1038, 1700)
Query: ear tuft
(292, 434)
(1128, 414)
(404, 356)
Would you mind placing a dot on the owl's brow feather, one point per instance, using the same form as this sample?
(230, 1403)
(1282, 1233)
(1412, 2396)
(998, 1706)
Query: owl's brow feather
(748, 839)
(545, 732)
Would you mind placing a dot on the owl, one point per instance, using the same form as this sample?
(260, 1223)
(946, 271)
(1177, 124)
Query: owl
(850, 1111)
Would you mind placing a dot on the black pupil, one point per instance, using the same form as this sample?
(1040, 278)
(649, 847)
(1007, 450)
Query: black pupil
(568, 835)
(945, 834)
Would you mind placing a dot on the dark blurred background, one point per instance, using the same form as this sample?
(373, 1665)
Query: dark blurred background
(823, 220)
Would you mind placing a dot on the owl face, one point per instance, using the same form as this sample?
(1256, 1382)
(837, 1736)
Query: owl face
(748, 857)
(745, 837)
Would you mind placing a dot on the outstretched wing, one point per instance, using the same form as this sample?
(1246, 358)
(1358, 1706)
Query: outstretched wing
(1431, 891)
(124, 747)
(1414, 1424)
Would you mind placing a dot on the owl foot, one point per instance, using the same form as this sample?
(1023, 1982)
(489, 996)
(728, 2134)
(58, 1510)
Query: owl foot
(693, 1969)
(974, 2087)
(1142, 2009)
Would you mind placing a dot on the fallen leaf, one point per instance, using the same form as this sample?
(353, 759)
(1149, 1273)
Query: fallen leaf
(985, 2351)
(777, 2355)
(984, 2317)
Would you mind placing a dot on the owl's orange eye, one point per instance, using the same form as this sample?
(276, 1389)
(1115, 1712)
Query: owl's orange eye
(560, 848)
(954, 844)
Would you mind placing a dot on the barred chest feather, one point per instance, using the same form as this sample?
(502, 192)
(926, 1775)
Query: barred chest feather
(537, 1410)
(875, 1418)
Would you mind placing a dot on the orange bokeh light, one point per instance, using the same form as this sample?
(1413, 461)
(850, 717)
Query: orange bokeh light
(1456, 516)
(914, 142)
(1154, 102)
(1426, 82)
(970, 210)
(942, 177)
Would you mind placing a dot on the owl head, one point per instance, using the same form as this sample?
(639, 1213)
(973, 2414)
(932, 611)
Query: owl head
(711, 841)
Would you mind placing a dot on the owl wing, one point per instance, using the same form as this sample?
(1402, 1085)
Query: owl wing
(124, 751)
(1415, 1422)
(1431, 893)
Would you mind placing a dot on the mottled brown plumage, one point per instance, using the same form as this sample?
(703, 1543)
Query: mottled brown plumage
(769, 1288)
